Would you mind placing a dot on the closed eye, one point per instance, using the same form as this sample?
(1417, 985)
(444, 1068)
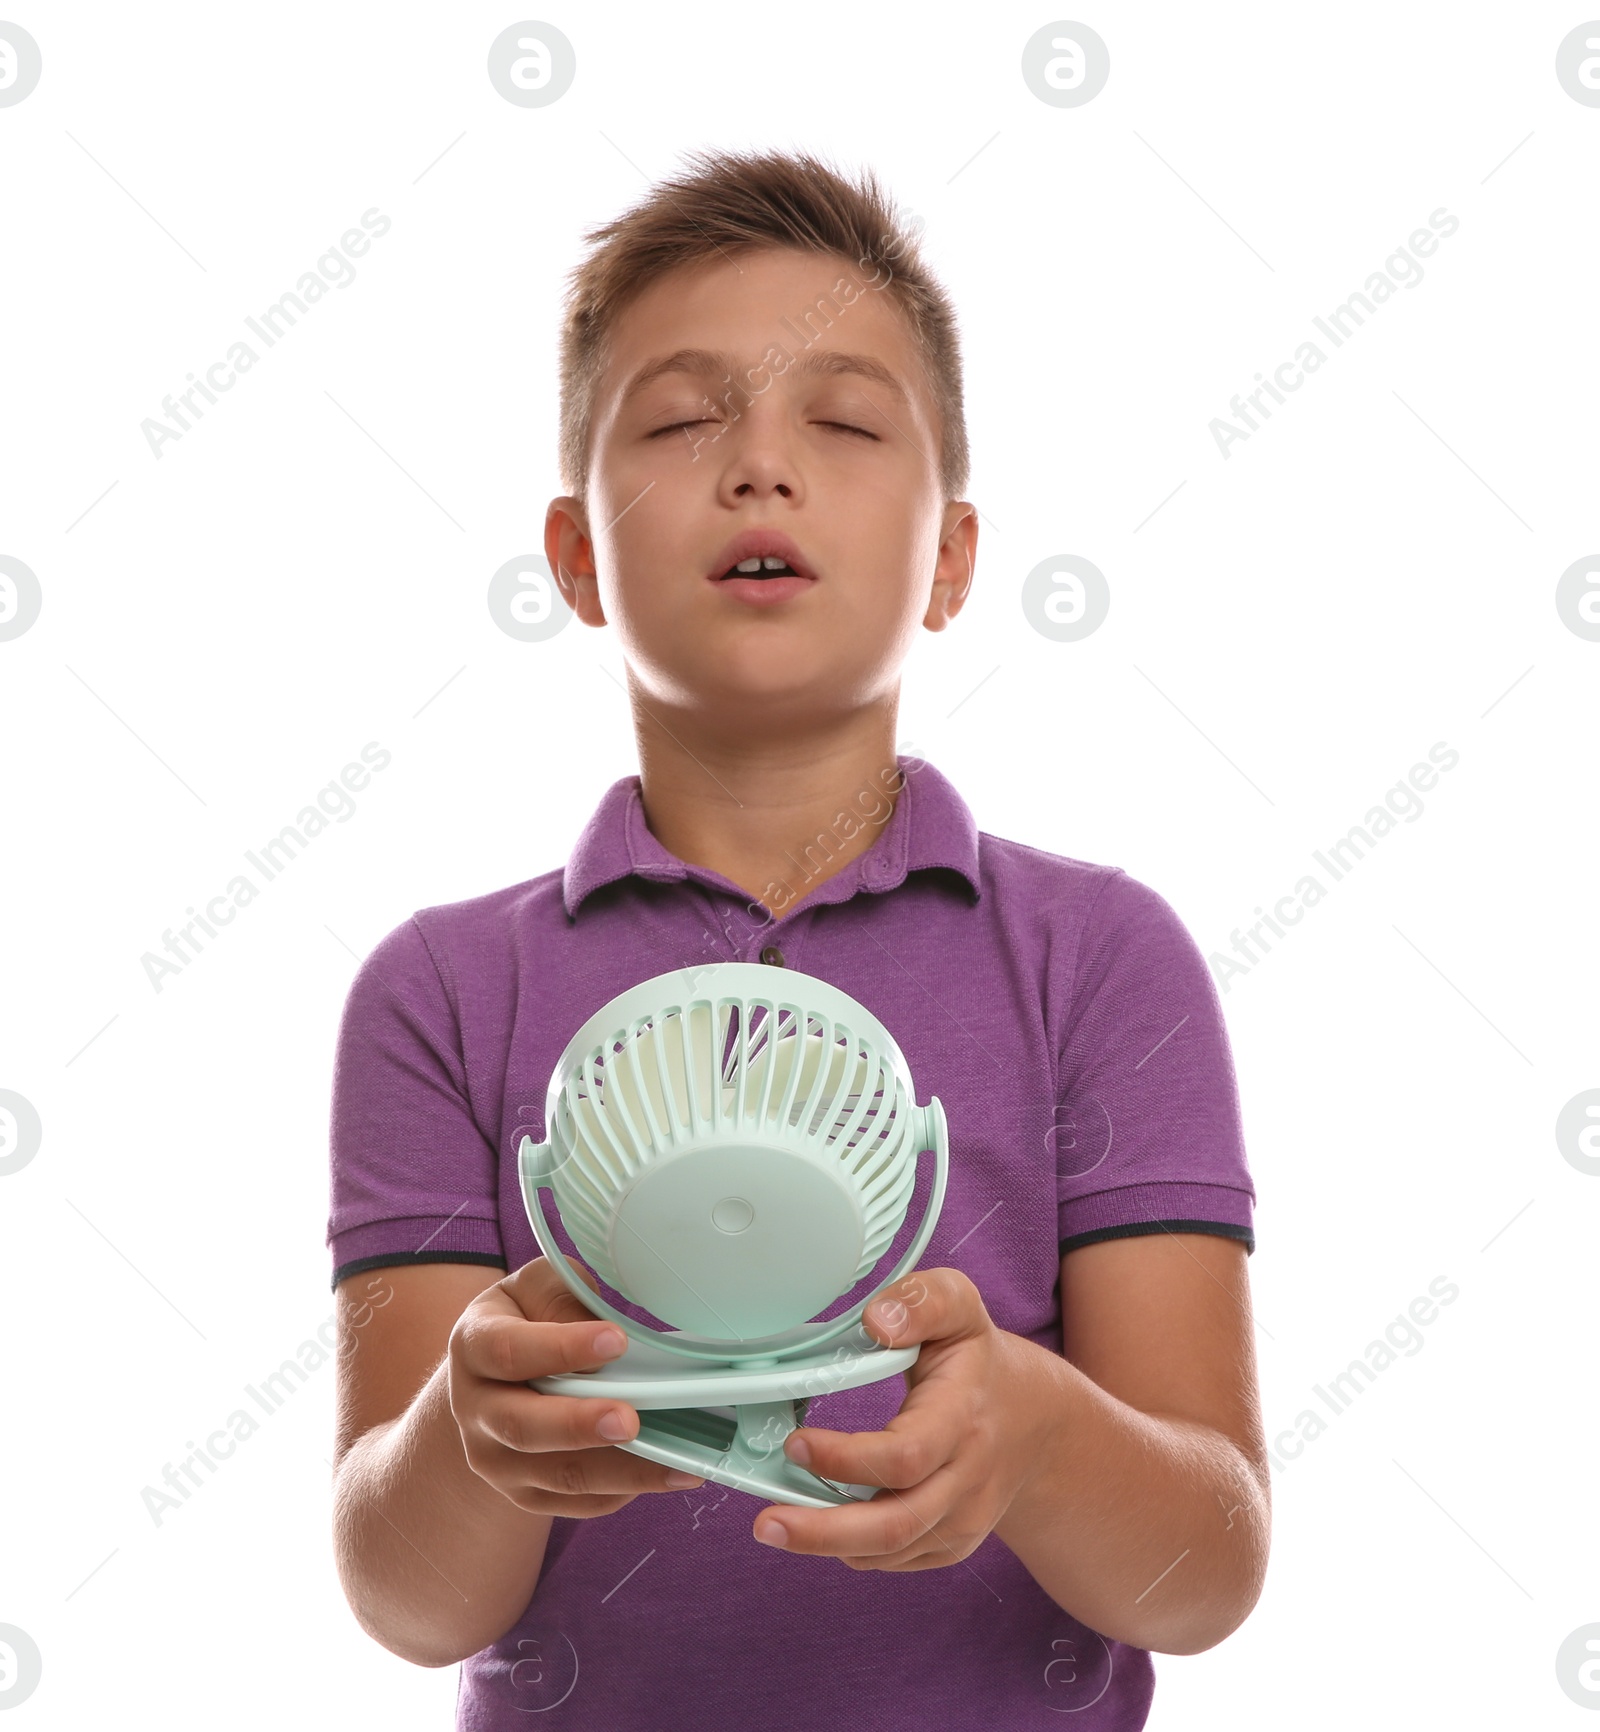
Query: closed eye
(678, 426)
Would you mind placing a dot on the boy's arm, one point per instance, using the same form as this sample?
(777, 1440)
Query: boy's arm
(1148, 1516)
(435, 1562)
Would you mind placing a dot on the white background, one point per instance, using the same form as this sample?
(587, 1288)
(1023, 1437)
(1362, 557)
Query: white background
(1291, 628)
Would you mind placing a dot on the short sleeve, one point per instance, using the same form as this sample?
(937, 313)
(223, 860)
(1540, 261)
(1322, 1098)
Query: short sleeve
(1149, 1136)
(412, 1177)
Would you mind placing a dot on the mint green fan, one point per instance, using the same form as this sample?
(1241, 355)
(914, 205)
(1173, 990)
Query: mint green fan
(733, 1148)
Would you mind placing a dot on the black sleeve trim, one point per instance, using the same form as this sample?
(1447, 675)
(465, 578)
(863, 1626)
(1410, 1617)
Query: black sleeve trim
(1223, 1229)
(394, 1259)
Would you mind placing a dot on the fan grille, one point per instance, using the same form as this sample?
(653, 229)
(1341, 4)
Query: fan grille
(732, 1067)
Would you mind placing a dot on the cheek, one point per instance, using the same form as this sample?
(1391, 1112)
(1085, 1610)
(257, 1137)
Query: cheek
(640, 556)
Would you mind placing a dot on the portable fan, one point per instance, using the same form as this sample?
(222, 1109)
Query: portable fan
(733, 1160)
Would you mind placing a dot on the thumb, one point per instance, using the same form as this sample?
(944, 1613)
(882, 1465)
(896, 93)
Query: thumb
(895, 1315)
(926, 1306)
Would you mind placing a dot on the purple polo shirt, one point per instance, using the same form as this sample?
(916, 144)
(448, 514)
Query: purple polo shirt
(1064, 1016)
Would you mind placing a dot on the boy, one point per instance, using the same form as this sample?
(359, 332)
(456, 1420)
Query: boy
(757, 367)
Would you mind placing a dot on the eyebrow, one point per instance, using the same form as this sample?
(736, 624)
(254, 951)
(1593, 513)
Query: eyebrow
(817, 363)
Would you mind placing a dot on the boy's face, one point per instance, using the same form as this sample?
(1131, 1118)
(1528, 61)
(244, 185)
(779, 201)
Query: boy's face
(767, 448)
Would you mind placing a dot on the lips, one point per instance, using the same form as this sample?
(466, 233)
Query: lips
(761, 544)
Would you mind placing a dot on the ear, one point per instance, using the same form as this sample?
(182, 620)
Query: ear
(953, 569)
(571, 555)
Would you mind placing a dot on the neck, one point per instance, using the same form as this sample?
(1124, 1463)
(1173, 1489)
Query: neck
(776, 815)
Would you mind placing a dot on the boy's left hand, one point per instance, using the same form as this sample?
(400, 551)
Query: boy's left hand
(966, 1439)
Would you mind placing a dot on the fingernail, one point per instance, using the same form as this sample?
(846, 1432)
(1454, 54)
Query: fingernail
(798, 1451)
(773, 1534)
(613, 1425)
(890, 1316)
(682, 1481)
(608, 1342)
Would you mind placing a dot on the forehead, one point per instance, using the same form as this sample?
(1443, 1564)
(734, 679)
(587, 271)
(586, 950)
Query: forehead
(721, 317)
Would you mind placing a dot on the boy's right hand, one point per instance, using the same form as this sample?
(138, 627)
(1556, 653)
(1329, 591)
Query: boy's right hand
(546, 1453)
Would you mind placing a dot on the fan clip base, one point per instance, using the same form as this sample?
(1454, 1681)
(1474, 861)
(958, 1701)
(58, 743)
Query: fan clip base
(746, 1453)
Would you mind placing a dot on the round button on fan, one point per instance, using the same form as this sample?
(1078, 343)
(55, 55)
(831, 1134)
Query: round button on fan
(732, 1215)
(734, 1240)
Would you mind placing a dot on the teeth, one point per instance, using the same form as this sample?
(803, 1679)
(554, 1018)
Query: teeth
(770, 561)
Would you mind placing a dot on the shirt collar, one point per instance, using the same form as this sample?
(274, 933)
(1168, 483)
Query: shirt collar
(930, 826)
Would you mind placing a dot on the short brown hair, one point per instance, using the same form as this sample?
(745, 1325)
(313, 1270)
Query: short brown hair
(730, 202)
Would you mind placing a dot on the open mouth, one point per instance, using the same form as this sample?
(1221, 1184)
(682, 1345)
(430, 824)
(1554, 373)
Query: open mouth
(769, 566)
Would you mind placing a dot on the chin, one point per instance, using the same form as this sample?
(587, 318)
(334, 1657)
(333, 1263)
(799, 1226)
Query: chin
(763, 681)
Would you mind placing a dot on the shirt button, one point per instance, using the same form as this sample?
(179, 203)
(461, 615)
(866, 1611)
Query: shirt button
(773, 955)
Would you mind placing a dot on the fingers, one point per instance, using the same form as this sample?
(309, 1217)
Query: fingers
(530, 1445)
(551, 1454)
(513, 1350)
(572, 1482)
(891, 1530)
(524, 1419)
(542, 1296)
(496, 1338)
(915, 1444)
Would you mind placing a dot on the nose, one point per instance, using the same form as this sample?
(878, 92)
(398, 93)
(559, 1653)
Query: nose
(757, 462)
